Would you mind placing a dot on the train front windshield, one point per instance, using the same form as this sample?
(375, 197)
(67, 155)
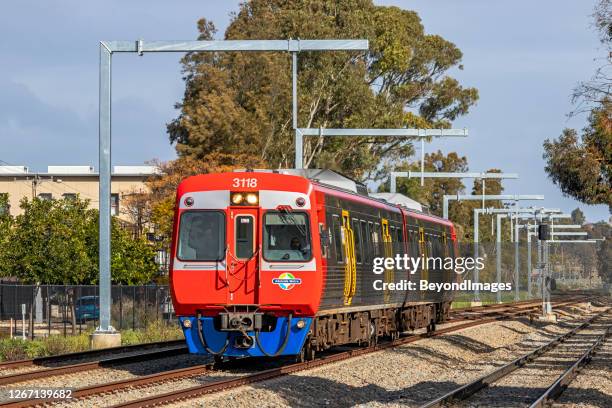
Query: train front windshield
(202, 236)
(286, 237)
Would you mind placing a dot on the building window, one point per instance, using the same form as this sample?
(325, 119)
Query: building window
(45, 196)
(114, 204)
(69, 196)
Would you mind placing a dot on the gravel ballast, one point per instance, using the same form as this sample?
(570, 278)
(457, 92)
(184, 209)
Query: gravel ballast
(408, 375)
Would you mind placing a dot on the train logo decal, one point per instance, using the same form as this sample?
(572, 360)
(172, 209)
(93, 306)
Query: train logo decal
(286, 281)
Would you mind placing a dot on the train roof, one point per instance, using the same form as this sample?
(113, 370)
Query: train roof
(321, 176)
(344, 184)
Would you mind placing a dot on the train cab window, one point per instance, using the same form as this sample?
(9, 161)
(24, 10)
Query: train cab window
(286, 237)
(357, 235)
(244, 237)
(201, 236)
(338, 241)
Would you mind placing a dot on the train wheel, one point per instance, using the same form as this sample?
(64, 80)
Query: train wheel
(301, 356)
(309, 353)
(373, 334)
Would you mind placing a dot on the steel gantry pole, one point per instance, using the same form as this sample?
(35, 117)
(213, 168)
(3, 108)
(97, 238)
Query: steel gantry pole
(517, 295)
(498, 254)
(509, 197)
(299, 143)
(435, 174)
(107, 49)
(104, 165)
(399, 133)
(477, 212)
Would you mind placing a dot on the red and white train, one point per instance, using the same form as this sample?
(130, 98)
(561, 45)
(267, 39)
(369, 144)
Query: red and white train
(269, 263)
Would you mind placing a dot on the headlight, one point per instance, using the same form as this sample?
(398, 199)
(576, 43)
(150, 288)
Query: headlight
(237, 198)
(186, 323)
(252, 198)
(244, 198)
(300, 324)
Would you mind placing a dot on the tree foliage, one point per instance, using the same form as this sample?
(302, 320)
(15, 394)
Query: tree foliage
(593, 92)
(162, 186)
(433, 190)
(6, 222)
(56, 242)
(578, 217)
(582, 165)
(240, 103)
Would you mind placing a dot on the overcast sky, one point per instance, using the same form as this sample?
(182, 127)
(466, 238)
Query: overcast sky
(523, 56)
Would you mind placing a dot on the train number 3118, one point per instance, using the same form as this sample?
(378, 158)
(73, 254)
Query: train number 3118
(244, 182)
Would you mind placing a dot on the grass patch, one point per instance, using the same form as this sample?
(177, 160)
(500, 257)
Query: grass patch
(18, 349)
(487, 298)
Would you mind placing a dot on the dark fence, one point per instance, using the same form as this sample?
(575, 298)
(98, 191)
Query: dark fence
(72, 309)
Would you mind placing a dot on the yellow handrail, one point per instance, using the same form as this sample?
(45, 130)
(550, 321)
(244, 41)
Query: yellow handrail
(350, 269)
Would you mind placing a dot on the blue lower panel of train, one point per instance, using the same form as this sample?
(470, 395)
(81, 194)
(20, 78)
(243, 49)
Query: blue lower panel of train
(232, 344)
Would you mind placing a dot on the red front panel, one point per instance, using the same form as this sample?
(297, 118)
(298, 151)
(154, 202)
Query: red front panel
(239, 278)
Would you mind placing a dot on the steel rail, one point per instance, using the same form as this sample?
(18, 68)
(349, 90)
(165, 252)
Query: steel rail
(145, 380)
(75, 368)
(176, 374)
(467, 390)
(474, 312)
(88, 353)
(557, 388)
(222, 385)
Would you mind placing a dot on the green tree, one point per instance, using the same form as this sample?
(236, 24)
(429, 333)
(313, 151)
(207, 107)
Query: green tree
(432, 192)
(582, 166)
(241, 102)
(578, 217)
(6, 221)
(56, 242)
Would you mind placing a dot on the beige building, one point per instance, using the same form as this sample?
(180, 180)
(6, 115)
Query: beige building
(68, 181)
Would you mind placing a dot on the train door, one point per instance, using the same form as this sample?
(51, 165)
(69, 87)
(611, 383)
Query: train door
(424, 253)
(388, 251)
(243, 256)
(350, 268)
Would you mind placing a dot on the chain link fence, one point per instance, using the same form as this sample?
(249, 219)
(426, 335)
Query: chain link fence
(572, 266)
(43, 310)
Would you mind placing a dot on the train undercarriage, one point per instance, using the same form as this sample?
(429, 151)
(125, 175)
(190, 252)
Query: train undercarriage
(365, 327)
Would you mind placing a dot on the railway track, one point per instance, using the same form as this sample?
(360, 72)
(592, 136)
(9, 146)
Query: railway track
(62, 358)
(488, 314)
(550, 393)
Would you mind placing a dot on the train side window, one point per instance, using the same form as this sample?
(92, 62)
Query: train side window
(370, 240)
(413, 242)
(325, 239)
(376, 239)
(399, 240)
(338, 241)
(364, 242)
(357, 234)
